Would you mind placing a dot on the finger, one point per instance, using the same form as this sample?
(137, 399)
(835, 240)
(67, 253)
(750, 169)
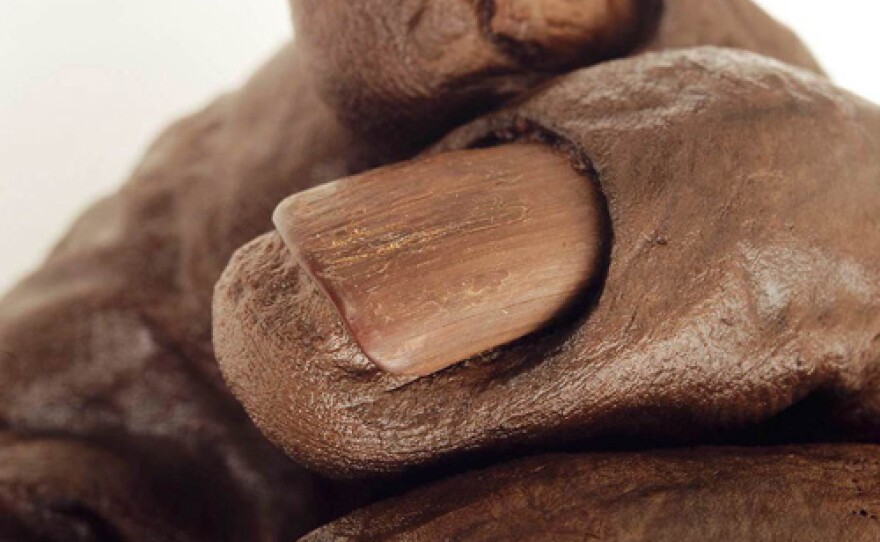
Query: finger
(55, 488)
(741, 281)
(433, 262)
(408, 71)
(402, 73)
(140, 266)
(822, 493)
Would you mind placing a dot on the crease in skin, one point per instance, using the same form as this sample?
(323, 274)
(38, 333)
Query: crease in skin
(811, 492)
(592, 29)
(145, 261)
(454, 66)
(676, 350)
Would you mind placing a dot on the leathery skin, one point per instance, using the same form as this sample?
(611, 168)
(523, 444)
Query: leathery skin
(805, 493)
(105, 351)
(457, 59)
(740, 283)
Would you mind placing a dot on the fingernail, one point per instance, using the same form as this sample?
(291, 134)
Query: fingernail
(433, 261)
(570, 29)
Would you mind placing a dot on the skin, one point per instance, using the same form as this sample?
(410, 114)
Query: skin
(811, 493)
(740, 285)
(49, 491)
(105, 352)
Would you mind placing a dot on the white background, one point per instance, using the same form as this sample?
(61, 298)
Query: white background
(86, 84)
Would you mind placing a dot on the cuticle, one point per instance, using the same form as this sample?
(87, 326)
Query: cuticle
(521, 129)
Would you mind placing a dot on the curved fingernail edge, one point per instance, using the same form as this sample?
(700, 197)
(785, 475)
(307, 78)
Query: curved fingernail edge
(433, 261)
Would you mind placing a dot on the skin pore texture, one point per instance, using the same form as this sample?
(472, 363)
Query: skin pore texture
(106, 354)
(699, 494)
(710, 320)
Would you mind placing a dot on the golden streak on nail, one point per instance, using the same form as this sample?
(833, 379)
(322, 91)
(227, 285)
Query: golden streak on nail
(436, 260)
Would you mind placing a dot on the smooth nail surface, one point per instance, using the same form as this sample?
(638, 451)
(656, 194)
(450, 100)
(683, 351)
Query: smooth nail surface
(436, 260)
(571, 28)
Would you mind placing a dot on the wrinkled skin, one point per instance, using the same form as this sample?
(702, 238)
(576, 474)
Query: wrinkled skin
(700, 494)
(64, 489)
(710, 319)
(106, 356)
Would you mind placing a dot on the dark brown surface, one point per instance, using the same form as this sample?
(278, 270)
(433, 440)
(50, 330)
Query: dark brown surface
(461, 253)
(65, 490)
(740, 283)
(108, 344)
(409, 71)
(749, 495)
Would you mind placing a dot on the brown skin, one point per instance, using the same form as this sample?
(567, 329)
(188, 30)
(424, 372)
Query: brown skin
(740, 283)
(49, 490)
(108, 345)
(755, 495)
(409, 71)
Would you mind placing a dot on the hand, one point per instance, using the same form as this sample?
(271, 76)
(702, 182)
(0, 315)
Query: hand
(107, 347)
(743, 285)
